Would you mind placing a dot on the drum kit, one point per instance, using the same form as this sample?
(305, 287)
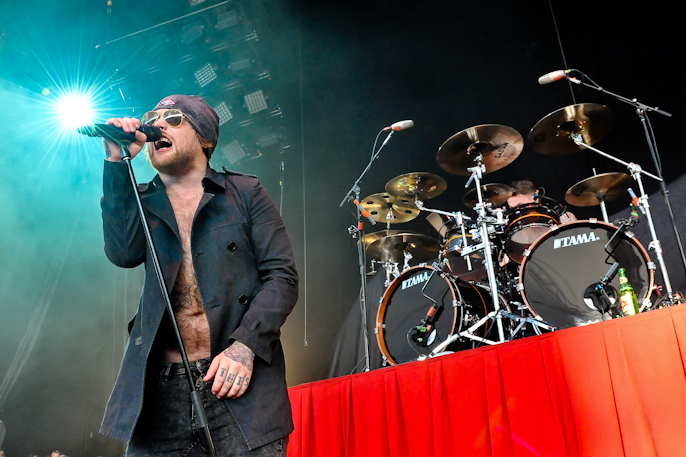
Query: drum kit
(509, 272)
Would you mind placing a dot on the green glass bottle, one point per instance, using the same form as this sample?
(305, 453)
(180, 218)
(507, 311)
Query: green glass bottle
(627, 296)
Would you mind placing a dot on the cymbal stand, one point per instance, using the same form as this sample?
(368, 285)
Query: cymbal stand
(482, 223)
(636, 171)
(459, 218)
(642, 111)
(603, 205)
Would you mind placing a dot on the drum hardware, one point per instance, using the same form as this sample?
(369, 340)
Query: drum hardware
(420, 185)
(407, 302)
(465, 249)
(560, 298)
(598, 190)
(552, 134)
(495, 145)
(526, 223)
(636, 172)
(642, 111)
(494, 193)
(384, 207)
(354, 195)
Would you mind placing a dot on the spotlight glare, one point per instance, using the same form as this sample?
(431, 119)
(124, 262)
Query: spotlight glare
(75, 110)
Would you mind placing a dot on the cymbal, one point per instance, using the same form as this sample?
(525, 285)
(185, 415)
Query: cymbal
(498, 144)
(495, 193)
(606, 187)
(550, 135)
(369, 238)
(424, 185)
(391, 248)
(402, 209)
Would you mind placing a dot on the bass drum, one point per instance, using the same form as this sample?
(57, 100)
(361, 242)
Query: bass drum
(407, 301)
(561, 265)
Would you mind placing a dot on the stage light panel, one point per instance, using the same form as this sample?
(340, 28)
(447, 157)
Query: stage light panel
(191, 32)
(205, 75)
(255, 102)
(226, 20)
(223, 112)
(233, 152)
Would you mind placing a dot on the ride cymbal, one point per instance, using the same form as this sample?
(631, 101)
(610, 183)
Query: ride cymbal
(401, 209)
(424, 185)
(604, 187)
(392, 248)
(551, 135)
(499, 146)
(495, 193)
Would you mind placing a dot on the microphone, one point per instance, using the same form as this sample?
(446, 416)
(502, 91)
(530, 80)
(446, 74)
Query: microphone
(400, 125)
(553, 76)
(112, 133)
(634, 200)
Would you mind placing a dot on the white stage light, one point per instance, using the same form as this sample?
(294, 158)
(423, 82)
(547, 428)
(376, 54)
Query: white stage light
(75, 110)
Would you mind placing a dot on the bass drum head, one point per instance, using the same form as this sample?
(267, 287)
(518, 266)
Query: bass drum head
(403, 306)
(562, 264)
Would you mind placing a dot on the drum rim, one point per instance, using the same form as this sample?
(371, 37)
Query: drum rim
(383, 306)
(590, 222)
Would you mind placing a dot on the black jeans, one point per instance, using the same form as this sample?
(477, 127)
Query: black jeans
(167, 426)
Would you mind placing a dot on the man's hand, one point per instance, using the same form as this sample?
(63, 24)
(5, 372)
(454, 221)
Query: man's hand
(128, 125)
(232, 370)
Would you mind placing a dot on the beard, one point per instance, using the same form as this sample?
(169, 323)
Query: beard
(178, 162)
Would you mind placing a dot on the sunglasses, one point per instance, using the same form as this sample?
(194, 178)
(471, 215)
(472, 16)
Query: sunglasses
(173, 117)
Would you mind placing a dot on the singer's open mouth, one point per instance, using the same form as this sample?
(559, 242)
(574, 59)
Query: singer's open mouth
(162, 144)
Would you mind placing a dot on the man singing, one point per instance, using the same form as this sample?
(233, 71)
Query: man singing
(230, 274)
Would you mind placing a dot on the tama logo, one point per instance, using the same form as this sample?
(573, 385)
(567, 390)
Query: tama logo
(576, 239)
(414, 280)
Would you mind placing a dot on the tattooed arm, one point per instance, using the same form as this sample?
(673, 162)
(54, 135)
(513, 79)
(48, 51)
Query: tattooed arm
(231, 370)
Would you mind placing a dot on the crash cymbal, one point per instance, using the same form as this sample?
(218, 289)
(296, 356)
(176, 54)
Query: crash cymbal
(499, 145)
(402, 209)
(605, 187)
(391, 248)
(424, 185)
(550, 135)
(369, 238)
(495, 193)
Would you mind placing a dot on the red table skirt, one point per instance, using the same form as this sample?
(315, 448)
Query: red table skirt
(616, 388)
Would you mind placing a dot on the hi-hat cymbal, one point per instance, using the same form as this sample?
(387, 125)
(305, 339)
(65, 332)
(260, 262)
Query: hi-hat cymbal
(495, 193)
(498, 144)
(392, 248)
(604, 187)
(424, 185)
(551, 135)
(401, 209)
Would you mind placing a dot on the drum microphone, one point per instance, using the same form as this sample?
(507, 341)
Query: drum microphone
(112, 133)
(400, 125)
(556, 76)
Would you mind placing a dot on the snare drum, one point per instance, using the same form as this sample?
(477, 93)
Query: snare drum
(407, 301)
(563, 263)
(526, 223)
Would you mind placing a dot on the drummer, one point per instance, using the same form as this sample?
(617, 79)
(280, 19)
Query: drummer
(524, 192)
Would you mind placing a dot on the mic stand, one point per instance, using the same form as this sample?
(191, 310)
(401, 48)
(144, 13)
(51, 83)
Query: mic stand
(641, 111)
(636, 172)
(356, 231)
(195, 397)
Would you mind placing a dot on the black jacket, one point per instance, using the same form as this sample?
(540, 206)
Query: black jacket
(247, 280)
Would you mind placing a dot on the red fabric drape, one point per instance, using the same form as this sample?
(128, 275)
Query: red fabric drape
(617, 388)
